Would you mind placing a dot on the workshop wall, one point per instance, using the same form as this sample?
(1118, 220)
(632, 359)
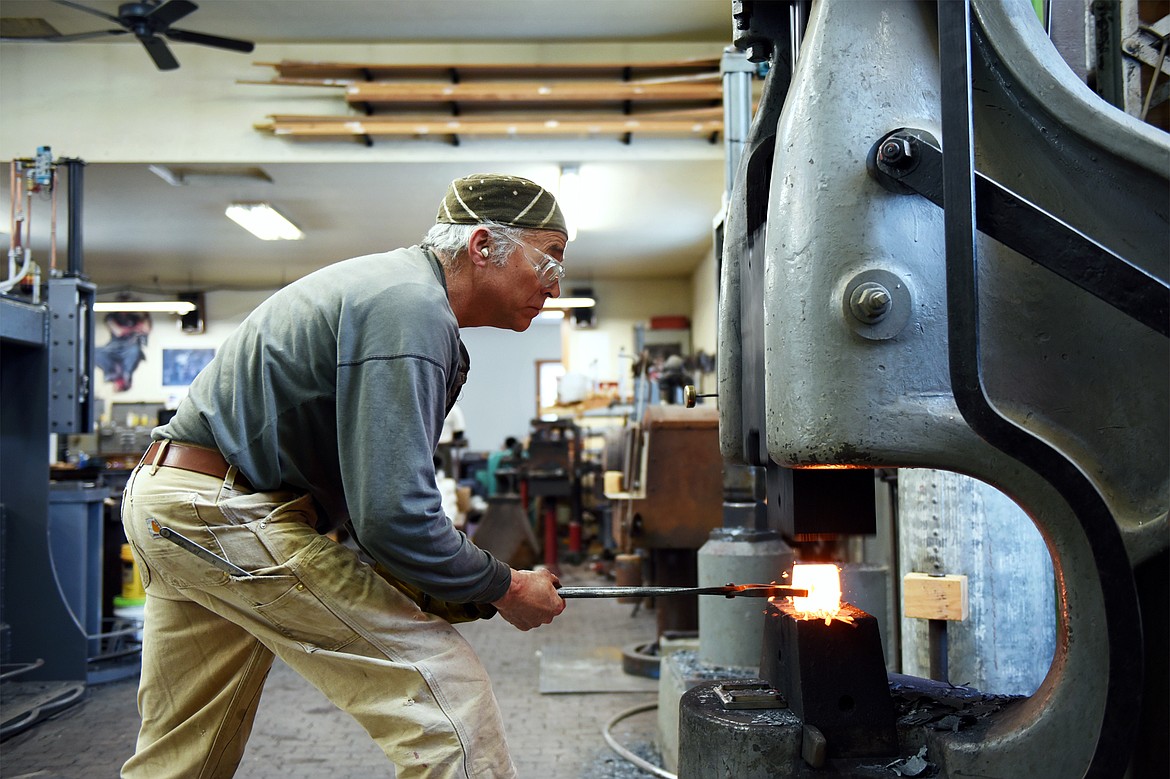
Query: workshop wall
(621, 305)
(203, 113)
(498, 398)
(223, 312)
(503, 362)
(705, 305)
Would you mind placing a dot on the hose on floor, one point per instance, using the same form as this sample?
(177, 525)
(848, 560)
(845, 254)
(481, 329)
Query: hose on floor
(627, 754)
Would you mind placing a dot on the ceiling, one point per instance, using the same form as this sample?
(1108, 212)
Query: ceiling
(308, 21)
(647, 217)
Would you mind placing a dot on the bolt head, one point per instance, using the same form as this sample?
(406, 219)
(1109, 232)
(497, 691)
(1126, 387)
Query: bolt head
(870, 302)
(896, 152)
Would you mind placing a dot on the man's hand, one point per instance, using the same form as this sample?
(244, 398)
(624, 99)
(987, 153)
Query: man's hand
(531, 600)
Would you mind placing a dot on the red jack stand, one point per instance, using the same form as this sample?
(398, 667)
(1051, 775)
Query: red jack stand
(550, 536)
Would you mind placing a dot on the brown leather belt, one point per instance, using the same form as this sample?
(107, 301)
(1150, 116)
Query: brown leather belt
(197, 459)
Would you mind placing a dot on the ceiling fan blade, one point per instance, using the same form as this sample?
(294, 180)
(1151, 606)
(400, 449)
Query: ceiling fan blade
(232, 44)
(157, 49)
(88, 10)
(169, 13)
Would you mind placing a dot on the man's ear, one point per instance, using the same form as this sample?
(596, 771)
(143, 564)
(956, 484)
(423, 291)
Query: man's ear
(479, 246)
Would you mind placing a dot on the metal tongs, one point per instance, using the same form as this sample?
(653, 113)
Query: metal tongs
(727, 591)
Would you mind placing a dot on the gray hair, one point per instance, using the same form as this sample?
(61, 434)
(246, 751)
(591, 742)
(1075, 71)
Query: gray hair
(447, 240)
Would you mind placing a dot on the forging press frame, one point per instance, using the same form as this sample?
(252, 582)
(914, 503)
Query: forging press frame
(1017, 335)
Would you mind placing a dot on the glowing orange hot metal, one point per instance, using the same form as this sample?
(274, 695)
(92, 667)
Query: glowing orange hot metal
(823, 582)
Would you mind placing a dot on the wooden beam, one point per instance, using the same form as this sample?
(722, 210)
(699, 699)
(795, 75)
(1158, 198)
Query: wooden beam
(533, 92)
(282, 81)
(344, 126)
(327, 81)
(354, 71)
(689, 114)
(675, 98)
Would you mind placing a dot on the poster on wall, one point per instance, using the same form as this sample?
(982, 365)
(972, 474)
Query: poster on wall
(120, 356)
(180, 366)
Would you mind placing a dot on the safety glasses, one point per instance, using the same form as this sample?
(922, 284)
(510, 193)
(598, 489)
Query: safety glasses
(549, 270)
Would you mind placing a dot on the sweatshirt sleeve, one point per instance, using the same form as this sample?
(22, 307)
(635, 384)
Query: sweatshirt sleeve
(390, 407)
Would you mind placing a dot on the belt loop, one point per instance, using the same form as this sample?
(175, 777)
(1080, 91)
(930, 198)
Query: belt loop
(229, 479)
(157, 462)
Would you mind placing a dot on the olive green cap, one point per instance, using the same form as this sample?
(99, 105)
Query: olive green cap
(507, 200)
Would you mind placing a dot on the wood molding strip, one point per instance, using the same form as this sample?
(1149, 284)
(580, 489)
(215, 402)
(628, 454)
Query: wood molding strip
(381, 92)
(355, 71)
(376, 127)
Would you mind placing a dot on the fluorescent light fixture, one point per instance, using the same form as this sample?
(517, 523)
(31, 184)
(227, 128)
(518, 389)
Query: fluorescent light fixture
(551, 314)
(569, 197)
(147, 306)
(558, 304)
(264, 222)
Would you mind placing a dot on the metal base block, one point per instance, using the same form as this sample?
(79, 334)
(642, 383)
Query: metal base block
(833, 676)
(681, 670)
(716, 742)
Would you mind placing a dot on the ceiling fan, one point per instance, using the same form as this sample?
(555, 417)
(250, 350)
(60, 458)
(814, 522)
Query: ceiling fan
(150, 21)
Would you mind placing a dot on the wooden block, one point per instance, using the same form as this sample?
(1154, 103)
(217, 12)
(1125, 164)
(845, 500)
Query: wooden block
(934, 597)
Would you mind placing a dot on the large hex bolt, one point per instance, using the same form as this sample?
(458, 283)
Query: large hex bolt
(877, 304)
(870, 302)
(897, 152)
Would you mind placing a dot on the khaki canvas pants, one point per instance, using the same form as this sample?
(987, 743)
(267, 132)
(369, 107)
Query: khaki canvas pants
(209, 639)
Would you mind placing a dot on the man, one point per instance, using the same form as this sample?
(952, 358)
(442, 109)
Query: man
(501, 463)
(324, 408)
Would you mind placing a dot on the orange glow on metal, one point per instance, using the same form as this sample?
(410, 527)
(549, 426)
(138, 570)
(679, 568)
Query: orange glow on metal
(833, 467)
(823, 582)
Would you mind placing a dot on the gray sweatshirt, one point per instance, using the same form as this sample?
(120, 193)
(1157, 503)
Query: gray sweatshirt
(338, 385)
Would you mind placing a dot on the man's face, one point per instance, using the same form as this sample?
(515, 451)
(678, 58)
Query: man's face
(531, 276)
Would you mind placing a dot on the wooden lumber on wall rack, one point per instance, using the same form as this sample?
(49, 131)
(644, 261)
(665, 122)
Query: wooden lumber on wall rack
(680, 98)
(338, 72)
(587, 92)
(375, 126)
